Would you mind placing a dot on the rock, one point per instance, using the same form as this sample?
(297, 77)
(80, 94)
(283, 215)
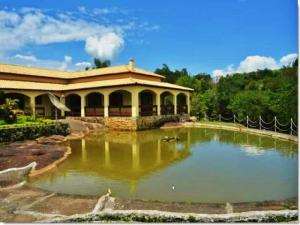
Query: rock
(38, 152)
(75, 135)
(54, 139)
(77, 126)
(16, 174)
(168, 139)
(229, 208)
(193, 119)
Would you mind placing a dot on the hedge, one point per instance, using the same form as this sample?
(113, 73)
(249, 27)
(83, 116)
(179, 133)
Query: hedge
(18, 132)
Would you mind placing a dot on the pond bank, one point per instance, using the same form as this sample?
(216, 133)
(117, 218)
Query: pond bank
(232, 127)
(19, 154)
(47, 152)
(28, 204)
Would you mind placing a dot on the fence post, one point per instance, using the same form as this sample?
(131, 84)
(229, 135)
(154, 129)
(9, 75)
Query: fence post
(275, 124)
(291, 127)
(205, 116)
(247, 121)
(260, 122)
(220, 117)
(233, 118)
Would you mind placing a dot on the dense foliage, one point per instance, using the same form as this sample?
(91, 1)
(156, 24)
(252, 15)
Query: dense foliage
(99, 64)
(19, 132)
(265, 93)
(8, 110)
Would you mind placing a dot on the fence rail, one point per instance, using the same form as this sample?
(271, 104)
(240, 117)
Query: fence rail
(274, 125)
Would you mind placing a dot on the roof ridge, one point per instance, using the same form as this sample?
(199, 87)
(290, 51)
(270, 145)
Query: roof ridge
(57, 70)
(40, 71)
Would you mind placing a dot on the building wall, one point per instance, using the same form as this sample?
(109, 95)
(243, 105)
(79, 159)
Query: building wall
(132, 124)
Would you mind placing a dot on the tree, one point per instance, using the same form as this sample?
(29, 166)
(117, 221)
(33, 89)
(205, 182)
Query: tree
(250, 103)
(99, 64)
(265, 93)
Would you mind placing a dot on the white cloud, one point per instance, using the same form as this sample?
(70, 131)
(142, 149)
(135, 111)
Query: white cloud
(66, 63)
(83, 65)
(218, 73)
(103, 11)
(254, 63)
(104, 47)
(34, 27)
(82, 9)
(31, 58)
(103, 36)
(33, 61)
(288, 59)
(8, 19)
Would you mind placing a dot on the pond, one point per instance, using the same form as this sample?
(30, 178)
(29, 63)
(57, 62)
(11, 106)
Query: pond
(202, 165)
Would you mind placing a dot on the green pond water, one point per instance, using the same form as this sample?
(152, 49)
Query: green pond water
(203, 165)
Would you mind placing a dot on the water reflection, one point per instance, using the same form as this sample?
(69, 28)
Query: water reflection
(204, 165)
(126, 156)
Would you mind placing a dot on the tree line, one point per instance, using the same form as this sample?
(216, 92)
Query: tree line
(266, 93)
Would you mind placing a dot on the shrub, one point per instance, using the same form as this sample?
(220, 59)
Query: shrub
(7, 110)
(20, 132)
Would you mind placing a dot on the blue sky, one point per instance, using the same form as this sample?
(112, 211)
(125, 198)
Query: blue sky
(216, 37)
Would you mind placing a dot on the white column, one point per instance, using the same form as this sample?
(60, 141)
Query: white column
(82, 105)
(175, 103)
(106, 104)
(158, 103)
(32, 104)
(188, 104)
(135, 104)
(63, 101)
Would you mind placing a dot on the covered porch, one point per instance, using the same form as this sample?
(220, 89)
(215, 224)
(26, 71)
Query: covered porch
(128, 102)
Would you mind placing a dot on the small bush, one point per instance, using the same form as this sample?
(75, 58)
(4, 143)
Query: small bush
(7, 110)
(19, 132)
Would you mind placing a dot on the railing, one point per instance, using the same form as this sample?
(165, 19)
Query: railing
(94, 111)
(75, 111)
(40, 111)
(167, 109)
(124, 110)
(182, 109)
(148, 110)
(273, 125)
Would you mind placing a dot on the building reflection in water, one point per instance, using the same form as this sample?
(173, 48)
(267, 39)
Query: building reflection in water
(127, 156)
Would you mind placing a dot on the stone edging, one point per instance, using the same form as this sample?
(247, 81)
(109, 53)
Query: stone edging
(161, 216)
(51, 166)
(239, 129)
